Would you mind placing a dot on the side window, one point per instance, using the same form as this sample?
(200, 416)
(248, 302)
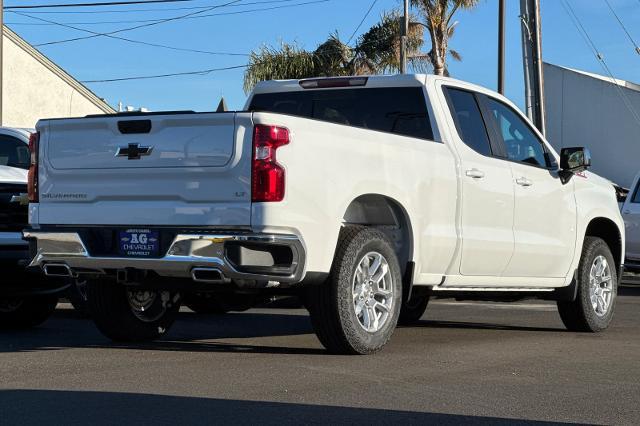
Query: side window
(469, 123)
(521, 143)
(13, 152)
(636, 195)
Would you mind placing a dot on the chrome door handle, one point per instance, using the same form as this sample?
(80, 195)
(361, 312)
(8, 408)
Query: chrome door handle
(475, 173)
(523, 181)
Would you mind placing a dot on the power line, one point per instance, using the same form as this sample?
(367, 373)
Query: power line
(111, 3)
(624, 28)
(147, 77)
(132, 40)
(208, 15)
(362, 21)
(197, 72)
(166, 9)
(160, 21)
(585, 36)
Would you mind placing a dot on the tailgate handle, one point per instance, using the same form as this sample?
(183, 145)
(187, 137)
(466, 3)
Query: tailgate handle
(128, 127)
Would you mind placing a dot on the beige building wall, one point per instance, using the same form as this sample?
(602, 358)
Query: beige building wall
(35, 88)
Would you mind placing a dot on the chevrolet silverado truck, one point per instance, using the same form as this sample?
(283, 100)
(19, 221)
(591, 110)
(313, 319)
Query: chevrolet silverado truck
(367, 195)
(27, 298)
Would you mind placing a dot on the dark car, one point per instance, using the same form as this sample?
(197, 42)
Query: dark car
(27, 298)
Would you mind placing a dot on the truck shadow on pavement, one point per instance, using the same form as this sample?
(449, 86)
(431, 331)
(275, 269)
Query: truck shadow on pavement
(482, 326)
(26, 407)
(191, 333)
(207, 333)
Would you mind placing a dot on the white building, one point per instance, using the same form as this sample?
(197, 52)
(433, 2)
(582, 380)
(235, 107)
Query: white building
(585, 109)
(33, 87)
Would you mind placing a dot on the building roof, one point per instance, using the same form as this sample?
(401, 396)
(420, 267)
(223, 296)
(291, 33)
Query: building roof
(619, 82)
(49, 64)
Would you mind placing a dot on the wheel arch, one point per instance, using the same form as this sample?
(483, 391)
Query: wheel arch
(388, 215)
(607, 229)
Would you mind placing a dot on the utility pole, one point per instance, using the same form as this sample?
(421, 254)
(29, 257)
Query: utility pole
(501, 33)
(403, 39)
(1, 54)
(532, 62)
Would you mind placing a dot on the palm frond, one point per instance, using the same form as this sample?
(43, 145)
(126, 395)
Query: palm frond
(278, 63)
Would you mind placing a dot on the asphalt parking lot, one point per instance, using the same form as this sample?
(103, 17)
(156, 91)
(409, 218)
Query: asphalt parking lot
(464, 363)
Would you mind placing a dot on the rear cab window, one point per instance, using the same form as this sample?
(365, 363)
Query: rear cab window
(397, 110)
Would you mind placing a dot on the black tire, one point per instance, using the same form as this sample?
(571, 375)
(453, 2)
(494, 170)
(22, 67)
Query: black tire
(413, 309)
(115, 316)
(580, 315)
(331, 305)
(26, 312)
(77, 296)
(218, 304)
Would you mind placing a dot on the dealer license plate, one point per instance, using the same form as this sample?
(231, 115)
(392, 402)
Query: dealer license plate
(139, 243)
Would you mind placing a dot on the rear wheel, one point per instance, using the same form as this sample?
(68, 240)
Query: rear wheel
(356, 310)
(597, 282)
(21, 313)
(131, 314)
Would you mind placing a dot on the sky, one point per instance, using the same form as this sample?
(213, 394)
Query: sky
(308, 25)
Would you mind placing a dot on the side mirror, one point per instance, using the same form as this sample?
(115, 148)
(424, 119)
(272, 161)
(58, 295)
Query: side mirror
(575, 160)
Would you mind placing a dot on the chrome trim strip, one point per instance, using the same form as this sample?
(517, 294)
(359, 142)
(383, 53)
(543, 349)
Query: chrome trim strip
(187, 251)
(494, 289)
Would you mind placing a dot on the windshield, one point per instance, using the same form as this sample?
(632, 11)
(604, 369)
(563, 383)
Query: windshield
(14, 152)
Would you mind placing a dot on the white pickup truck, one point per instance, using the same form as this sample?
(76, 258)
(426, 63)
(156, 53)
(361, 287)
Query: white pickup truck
(366, 194)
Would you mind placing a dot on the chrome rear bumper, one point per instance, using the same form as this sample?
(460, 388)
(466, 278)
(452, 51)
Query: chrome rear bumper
(187, 257)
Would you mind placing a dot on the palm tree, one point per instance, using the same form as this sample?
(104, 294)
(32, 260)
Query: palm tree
(376, 51)
(438, 15)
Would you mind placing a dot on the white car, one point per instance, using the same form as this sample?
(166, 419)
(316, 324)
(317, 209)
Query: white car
(365, 194)
(631, 216)
(25, 299)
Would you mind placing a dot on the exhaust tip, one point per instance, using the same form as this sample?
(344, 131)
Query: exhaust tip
(57, 270)
(207, 275)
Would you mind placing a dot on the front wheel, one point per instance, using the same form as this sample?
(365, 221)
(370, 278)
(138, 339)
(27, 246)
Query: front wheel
(21, 313)
(130, 314)
(356, 310)
(597, 282)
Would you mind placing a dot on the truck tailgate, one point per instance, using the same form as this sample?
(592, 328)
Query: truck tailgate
(172, 170)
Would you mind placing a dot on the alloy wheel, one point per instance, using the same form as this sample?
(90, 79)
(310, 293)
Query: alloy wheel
(372, 292)
(600, 286)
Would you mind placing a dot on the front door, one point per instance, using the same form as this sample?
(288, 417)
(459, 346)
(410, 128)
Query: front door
(487, 191)
(545, 215)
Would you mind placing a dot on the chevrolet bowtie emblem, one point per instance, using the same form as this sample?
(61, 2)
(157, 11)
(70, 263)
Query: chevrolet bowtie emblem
(134, 151)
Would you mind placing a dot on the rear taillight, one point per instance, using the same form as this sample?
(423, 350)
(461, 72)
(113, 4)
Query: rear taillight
(32, 182)
(267, 176)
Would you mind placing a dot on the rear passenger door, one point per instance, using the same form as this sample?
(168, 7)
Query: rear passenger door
(544, 223)
(487, 189)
